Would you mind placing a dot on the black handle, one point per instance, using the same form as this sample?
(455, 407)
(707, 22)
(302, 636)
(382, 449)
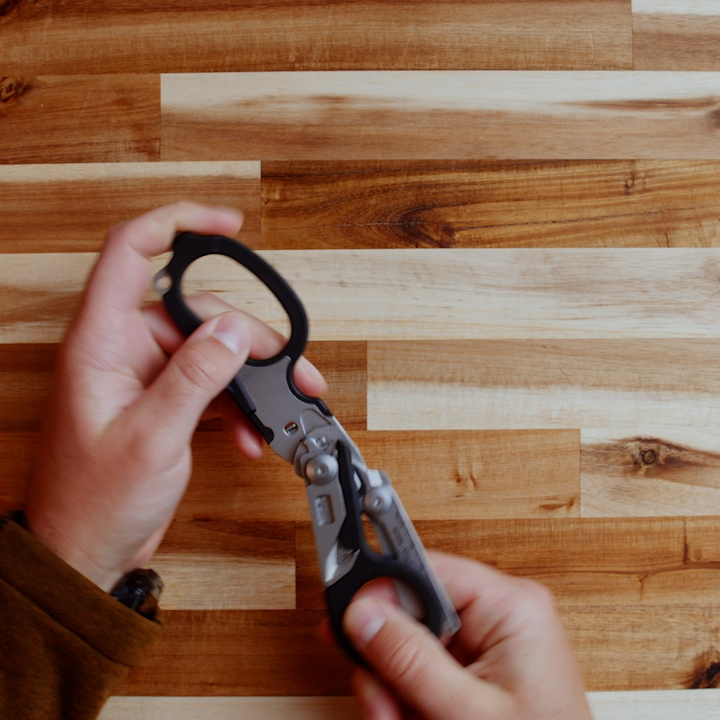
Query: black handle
(368, 566)
(189, 247)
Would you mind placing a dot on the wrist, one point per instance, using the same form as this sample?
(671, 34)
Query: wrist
(106, 578)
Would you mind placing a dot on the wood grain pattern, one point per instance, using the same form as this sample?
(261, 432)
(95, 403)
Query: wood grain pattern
(240, 652)
(284, 35)
(511, 271)
(585, 562)
(275, 652)
(65, 198)
(361, 204)
(448, 115)
(430, 295)
(643, 473)
(452, 475)
(534, 384)
(676, 35)
(79, 118)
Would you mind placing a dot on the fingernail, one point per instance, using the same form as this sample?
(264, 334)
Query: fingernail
(231, 331)
(363, 621)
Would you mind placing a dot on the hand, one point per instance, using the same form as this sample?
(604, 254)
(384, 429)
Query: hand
(128, 394)
(510, 661)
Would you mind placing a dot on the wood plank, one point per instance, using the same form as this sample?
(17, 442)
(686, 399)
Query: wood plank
(613, 644)
(644, 472)
(454, 475)
(654, 705)
(26, 375)
(498, 384)
(241, 653)
(588, 562)
(54, 208)
(275, 652)
(288, 35)
(17, 454)
(231, 708)
(363, 204)
(676, 35)
(403, 294)
(221, 565)
(440, 115)
(633, 705)
(80, 118)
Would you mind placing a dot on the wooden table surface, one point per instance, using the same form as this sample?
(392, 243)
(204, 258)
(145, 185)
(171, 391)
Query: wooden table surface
(504, 220)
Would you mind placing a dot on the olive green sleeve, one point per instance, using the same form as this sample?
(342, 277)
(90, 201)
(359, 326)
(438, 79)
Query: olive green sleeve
(64, 643)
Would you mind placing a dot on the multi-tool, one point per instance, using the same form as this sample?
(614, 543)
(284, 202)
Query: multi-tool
(341, 489)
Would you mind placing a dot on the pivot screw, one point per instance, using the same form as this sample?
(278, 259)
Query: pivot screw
(321, 469)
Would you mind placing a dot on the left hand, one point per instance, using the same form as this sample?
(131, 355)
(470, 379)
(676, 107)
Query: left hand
(128, 393)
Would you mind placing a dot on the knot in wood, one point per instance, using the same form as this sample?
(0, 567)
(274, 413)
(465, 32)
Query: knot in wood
(649, 457)
(12, 88)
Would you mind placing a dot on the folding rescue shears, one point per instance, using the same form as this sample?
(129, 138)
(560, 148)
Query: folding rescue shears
(301, 429)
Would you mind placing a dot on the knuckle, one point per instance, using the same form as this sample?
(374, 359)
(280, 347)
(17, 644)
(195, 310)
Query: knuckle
(404, 662)
(192, 366)
(534, 598)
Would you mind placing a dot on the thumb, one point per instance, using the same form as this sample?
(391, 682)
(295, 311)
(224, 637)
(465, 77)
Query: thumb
(196, 373)
(414, 663)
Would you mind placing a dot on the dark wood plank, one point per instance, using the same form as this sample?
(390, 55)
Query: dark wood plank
(438, 475)
(676, 36)
(25, 376)
(79, 118)
(584, 562)
(633, 203)
(55, 208)
(160, 36)
(240, 653)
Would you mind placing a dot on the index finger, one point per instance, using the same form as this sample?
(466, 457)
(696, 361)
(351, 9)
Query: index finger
(121, 275)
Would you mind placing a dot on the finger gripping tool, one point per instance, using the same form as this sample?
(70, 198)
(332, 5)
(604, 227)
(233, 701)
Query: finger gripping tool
(340, 488)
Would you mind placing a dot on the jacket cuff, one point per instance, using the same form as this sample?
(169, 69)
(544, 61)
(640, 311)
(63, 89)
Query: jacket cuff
(70, 599)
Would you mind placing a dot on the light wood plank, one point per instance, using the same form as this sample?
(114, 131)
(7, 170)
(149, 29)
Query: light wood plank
(287, 35)
(54, 208)
(440, 115)
(80, 118)
(434, 294)
(673, 471)
(634, 203)
(676, 34)
(634, 705)
(562, 384)
(231, 708)
(654, 705)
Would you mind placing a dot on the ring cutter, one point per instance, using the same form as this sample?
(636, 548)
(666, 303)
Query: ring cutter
(339, 485)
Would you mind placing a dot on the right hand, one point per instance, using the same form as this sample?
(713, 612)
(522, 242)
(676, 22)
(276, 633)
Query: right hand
(510, 661)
